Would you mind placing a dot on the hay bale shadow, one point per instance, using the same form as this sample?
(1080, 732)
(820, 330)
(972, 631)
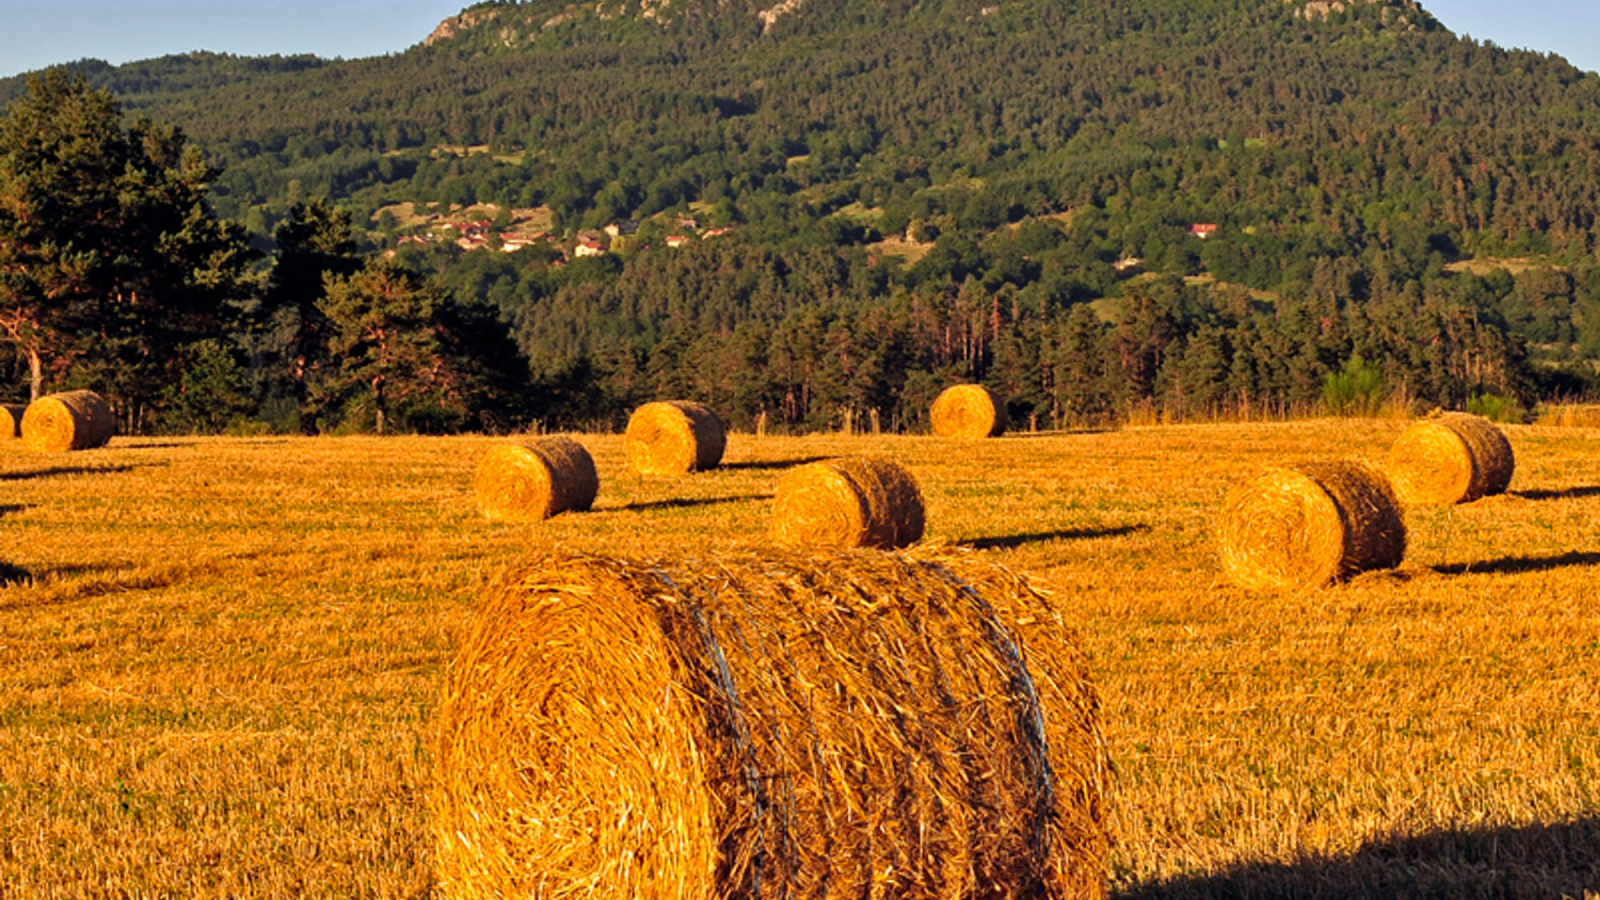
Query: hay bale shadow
(1533, 862)
(771, 464)
(72, 470)
(1013, 541)
(1400, 576)
(69, 584)
(681, 503)
(1051, 433)
(1566, 494)
(10, 508)
(10, 574)
(1511, 565)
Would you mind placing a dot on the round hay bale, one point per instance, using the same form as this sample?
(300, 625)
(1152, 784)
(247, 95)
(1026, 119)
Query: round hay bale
(75, 420)
(674, 437)
(1310, 524)
(11, 419)
(841, 725)
(533, 481)
(848, 502)
(1452, 458)
(968, 411)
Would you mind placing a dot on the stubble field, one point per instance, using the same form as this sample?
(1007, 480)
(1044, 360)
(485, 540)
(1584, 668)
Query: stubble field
(220, 658)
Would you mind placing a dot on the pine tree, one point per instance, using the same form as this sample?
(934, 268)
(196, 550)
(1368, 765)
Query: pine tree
(111, 259)
(313, 242)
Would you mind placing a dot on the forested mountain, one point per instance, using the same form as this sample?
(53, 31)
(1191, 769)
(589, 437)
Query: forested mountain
(1005, 190)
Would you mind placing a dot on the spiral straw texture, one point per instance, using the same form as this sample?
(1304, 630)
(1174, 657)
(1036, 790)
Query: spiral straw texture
(853, 724)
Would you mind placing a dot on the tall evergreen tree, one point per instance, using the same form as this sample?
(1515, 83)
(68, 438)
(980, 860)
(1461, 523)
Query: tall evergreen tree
(112, 262)
(313, 242)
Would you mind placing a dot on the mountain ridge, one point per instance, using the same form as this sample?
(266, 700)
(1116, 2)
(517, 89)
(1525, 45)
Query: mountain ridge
(1264, 163)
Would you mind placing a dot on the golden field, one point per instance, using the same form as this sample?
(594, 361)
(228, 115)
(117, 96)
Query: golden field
(220, 658)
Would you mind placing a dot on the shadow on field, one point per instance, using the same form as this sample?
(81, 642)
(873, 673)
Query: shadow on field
(682, 503)
(10, 508)
(71, 470)
(1534, 862)
(1060, 432)
(758, 465)
(153, 445)
(1566, 494)
(10, 574)
(1511, 565)
(66, 584)
(1013, 541)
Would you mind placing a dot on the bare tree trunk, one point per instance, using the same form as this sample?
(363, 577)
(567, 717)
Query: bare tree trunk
(377, 395)
(36, 374)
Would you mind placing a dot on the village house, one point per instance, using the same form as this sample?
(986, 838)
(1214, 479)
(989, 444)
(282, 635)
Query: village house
(512, 241)
(1203, 230)
(677, 240)
(588, 247)
(472, 229)
(623, 229)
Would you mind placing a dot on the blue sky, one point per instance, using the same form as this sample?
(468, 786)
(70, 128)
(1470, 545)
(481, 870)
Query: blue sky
(38, 33)
(1568, 27)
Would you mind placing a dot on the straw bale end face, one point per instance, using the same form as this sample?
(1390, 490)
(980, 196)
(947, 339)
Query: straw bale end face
(674, 438)
(1453, 458)
(848, 502)
(969, 411)
(1308, 525)
(534, 481)
(75, 420)
(11, 420)
(686, 728)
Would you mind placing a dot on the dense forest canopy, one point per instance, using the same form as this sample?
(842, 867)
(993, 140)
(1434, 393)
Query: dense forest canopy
(844, 205)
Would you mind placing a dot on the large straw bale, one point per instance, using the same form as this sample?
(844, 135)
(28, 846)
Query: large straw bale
(848, 724)
(1452, 458)
(528, 482)
(11, 419)
(674, 437)
(848, 502)
(1055, 659)
(75, 420)
(968, 411)
(1309, 524)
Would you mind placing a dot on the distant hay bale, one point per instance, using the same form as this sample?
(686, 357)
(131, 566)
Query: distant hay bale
(75, 420)
(1308, 525)
(1453, 458)
(529, 482)
(848, 502)
(850, 724)
(968, 411)
(674, 437)
(11, 419)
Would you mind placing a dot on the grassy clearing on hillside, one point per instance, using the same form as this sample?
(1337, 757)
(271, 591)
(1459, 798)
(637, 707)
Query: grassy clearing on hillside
(410, 215)
(1483, 266)
(897, 246)
(219, 658)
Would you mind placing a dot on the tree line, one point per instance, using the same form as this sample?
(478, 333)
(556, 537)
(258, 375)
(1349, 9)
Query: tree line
(117, 275)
